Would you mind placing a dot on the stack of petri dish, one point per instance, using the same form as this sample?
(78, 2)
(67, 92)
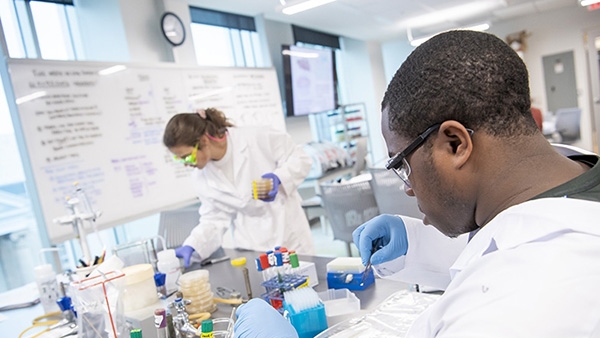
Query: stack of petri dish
(195, 286)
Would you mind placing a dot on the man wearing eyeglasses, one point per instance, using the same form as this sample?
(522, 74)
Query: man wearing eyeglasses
(457, 123)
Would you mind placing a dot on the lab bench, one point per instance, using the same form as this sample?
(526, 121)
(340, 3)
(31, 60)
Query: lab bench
(223, 274)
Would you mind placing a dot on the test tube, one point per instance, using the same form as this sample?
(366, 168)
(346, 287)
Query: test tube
(160, 322)
(264, 264)
(294, 263)
(261, 187)
(279, 263)
(286, 260)
(271, 256)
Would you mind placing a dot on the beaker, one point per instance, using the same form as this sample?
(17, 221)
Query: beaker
(99, 305)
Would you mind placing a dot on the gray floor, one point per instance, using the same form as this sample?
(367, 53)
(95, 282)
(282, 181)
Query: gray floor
(325, 245)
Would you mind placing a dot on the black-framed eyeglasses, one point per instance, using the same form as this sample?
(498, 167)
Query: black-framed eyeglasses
(398, 162)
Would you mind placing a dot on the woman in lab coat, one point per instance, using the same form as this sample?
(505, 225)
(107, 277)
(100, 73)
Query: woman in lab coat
(226, 160)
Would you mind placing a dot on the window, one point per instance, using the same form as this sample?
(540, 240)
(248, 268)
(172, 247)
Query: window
(31, 28)
(225, 39)
(46, 29)
(54, 25)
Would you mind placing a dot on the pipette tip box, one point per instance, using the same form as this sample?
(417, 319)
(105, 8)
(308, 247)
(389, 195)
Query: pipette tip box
(309, 322)
(348, 273)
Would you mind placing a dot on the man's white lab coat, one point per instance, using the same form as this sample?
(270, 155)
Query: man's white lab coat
(255, 224)
(533, 271)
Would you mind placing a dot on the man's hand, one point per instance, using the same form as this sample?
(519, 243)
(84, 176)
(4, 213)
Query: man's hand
(391, 230)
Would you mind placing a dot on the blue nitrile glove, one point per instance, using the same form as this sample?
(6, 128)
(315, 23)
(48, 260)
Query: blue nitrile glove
(258, 319)
(185, 252)
(391, 230)
(273, 192)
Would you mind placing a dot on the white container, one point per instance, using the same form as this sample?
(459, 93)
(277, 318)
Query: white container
(308, 269)
(346, 265)
(140, 290)
(45, 278)
(168, 263)
(339, 302)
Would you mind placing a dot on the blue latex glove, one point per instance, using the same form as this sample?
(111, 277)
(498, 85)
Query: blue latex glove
(258, 319)
(275, 189)
(391, 230)
(185, 252)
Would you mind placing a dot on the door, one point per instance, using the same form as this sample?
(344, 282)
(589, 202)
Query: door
(559, 78)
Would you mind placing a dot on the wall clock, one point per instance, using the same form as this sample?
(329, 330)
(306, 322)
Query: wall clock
(172, 28)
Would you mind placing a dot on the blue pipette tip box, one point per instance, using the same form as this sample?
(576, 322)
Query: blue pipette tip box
(350, 281)
(308, 323)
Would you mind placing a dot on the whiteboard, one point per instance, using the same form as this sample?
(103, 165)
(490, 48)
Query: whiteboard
(105, 131)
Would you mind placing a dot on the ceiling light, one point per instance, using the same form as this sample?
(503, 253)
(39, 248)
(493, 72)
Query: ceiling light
(456, 13)
(416, 42)
(585, 3)
(303, 6)
(30, 97)
(210, 93)
(112, 70)
(306, 55)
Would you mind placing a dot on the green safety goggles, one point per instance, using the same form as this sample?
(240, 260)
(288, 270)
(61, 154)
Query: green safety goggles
(190, 159)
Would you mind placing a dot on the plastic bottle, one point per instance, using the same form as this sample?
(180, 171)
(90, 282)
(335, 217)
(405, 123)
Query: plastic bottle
(45, 279)
(160, 280)
(168, 264)
(207, 329)
(135, 333)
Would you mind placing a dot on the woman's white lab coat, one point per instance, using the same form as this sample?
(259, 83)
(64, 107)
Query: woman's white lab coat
(255, 224)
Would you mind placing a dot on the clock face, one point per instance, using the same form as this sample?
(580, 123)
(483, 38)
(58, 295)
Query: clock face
(173, 29)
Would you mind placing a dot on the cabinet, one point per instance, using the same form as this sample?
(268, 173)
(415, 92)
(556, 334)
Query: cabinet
(346, 126)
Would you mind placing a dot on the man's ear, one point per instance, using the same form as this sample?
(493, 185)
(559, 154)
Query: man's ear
(454, 140)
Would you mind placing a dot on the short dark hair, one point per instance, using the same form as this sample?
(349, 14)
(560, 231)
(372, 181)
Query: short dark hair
(471, 77)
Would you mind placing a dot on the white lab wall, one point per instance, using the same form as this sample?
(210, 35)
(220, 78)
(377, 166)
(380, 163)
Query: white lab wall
(267, 58)
(129, 31)
(555, 32)
(275, 34)
(363, 80)
(185, 53)
(140, 40)
(394, 53)
(102, 30)
(551, 32)
(141, 19)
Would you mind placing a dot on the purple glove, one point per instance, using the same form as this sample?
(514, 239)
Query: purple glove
(275, 188)
(185, 252)
(258, 319)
